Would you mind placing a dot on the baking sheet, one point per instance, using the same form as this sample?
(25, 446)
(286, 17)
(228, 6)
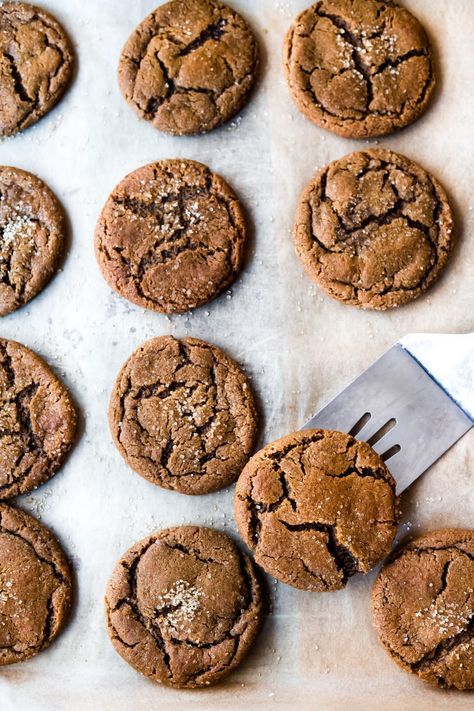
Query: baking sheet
(316, 651)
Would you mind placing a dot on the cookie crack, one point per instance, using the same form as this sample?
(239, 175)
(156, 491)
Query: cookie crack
(7, 275)
(48, 623)
(436, 655)
(346, 563)
(114, 634)
(191, 552)
(270, 508)
(23, 400)
(309, 89)
(428, 84)
(62, 62)
(394, 63)
(444, 577)
(286, 491)
(172, 87)
(281, 454)
(43, 21)
(254, 524)
(364, 472)
(216, 668)
(147, 624)
(169, 255)
(155, 102)
(7, 364)
(313, 574)
(18, 479)
(393, 213)
(18, 81)
(54, 569)
(165, 456)
(211, 32)
(20, 284)
(214, 389)
(158, 389)
(140, 208)
(433, 549)
(31, 440)
(356, 45)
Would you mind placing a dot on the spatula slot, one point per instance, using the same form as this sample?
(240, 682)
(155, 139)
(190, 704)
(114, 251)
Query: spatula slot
(382, 431)
(391, 452)
(361, 422)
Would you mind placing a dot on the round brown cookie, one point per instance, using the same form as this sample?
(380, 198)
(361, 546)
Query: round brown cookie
(359, 67)
(183, 606)
(189, 66)
(182, 415)
(35, 586)
(35, 65)
(171, 236)
(316, 507)
(31, 237)
(374, 229)
(37, 420)
(423, 606)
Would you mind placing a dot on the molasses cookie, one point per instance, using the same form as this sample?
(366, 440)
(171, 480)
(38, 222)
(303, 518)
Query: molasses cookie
(423, 606)
(171, 236)
(31, 237)
(37, 420)
(359, 67)
(315, 508)
(35, 65)
(189, 66)
(35, 586)
(184, 606)
(374, 229)
(182, 415)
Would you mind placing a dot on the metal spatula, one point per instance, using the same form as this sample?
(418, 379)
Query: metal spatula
(411, 405)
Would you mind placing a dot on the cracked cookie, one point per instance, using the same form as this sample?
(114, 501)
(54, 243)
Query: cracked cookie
(184, 606)
(35, 65)
(189, 66)
(374, 229)
(316, 507)
(423, 607)
(359, 67)
(35, 586)
(171, 236)
(182, 415)
(37, 420)
(31, 237)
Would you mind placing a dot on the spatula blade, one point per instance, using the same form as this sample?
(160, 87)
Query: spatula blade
(401, 411)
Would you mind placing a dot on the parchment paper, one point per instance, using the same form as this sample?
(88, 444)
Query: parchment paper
(317, 651)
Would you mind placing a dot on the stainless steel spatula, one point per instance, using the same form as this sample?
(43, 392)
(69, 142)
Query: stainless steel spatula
(411, 405)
